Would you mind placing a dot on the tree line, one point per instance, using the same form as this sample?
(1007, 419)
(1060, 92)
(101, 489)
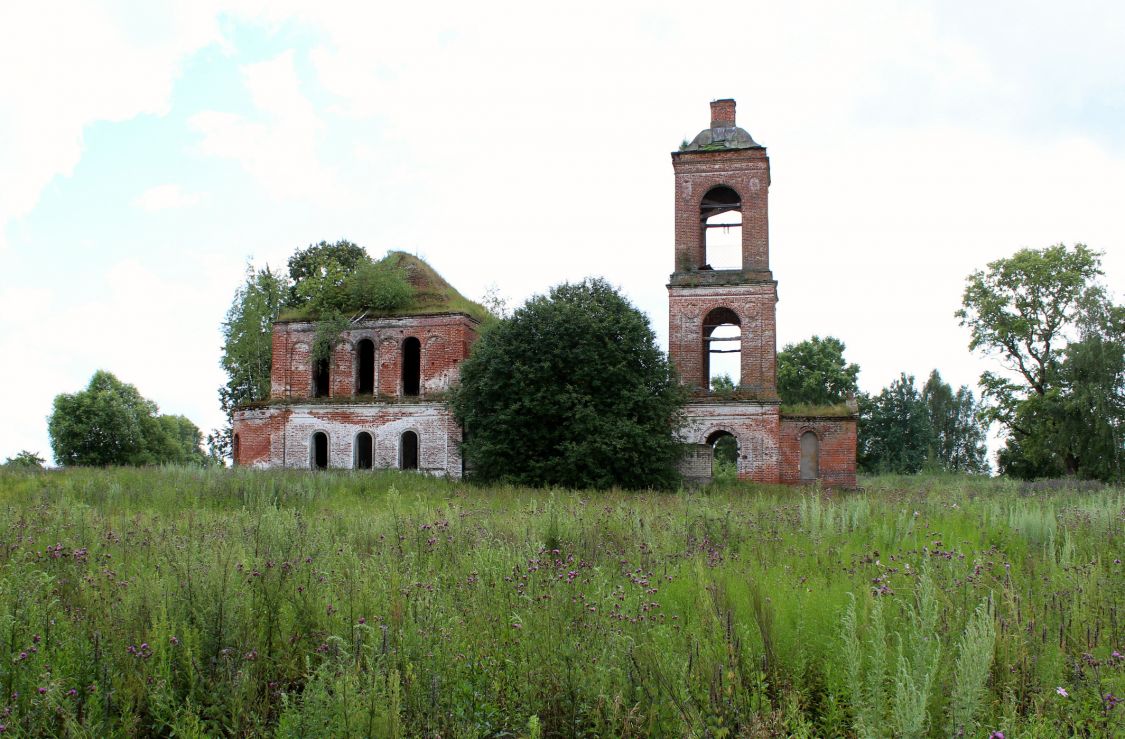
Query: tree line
(583, 358)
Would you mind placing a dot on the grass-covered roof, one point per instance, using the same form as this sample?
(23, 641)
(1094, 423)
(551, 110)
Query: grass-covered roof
(431, 294)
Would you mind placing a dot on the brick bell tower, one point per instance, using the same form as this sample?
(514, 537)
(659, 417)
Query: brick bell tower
(722, 296)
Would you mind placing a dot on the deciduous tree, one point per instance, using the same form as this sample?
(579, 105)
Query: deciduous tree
(111, 423)
(571, 390)
(814, 372)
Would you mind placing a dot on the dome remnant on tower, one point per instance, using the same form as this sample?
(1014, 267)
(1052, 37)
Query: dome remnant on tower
(723, 133)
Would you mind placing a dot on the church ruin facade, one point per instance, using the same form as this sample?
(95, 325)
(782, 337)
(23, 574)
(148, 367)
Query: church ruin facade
(378, 400)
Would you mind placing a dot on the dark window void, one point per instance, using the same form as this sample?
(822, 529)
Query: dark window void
(320, 451)
(234, 448)
(365, 367)
(724, 454)
(320, 378)
(364, 451)
(722, 348)
(720, 217)
(810, 456)
(411, 366)
(409, 451)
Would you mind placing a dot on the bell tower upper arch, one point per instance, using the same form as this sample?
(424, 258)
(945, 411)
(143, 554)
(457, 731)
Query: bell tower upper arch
(722, 167)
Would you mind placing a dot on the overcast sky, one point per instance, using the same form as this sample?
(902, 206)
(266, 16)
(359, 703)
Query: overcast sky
(149, 150)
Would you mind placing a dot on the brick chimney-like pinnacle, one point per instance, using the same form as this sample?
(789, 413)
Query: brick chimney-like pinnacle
(722, 113)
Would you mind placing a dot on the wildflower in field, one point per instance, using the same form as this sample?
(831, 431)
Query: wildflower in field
(996, 735)
(175, 641)
(42, 691)
(1062, 691)
(1111, 701)
(362, 620)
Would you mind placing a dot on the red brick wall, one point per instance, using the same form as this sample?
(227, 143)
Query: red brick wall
(254, 431)
(753, 425)
(747, 172)
(837, 449)
(281, 436)
(445, 342)
(755, 305)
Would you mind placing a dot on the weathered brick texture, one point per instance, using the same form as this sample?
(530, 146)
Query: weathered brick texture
(836, 439)
(281, 435)
(753, 425)
(769, 447)
(445, 340)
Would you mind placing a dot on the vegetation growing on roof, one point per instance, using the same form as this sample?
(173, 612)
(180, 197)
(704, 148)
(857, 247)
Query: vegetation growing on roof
(330, 284)
(399, 284)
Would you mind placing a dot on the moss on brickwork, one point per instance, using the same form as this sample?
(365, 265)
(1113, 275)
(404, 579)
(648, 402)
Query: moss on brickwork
(804, 410)
(432, 294)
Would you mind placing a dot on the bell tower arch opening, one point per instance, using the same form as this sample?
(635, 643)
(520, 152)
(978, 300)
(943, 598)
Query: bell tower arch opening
(722, 347)
(720, 217)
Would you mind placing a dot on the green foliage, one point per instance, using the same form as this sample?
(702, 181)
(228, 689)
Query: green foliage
(380, 286)
(1024, 308)
(571, 390)
(1077, 427)
(110, 423)
(957, 441)
(723, 385)
(317, 274)
(814, 372)
(207, 602)
(1058, 334)
(894, 429)
(247, 348)
(970, 673)
(25, 460)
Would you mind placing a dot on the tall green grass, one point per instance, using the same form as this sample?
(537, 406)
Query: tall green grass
(209, 602)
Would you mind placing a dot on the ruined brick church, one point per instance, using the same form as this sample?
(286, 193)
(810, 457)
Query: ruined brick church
(377, 402)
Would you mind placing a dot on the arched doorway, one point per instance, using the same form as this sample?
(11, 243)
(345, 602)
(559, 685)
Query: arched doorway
(408, 451)
(724, 455)
(318, 454)
(364, 451)
(810, 456)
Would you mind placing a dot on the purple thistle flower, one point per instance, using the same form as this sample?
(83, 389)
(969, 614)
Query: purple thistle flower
(42, 691)
(996, 735)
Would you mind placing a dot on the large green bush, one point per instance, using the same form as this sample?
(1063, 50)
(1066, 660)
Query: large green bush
(571, 390)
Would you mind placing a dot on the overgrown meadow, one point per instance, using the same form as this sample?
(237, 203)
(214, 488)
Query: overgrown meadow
(185, 602)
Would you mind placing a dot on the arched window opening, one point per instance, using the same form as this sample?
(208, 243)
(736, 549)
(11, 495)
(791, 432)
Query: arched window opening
(365, 367)
(810, 457)
(411, 366)
(319, 457)
(722, 349)
(235, 446)
(724, 455)
(720, 215)
(364, 451)
(408, 451)
(320, 378)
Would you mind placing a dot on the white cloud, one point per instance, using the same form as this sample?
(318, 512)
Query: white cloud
(166, 197)
(67, 65)
(281, 152)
